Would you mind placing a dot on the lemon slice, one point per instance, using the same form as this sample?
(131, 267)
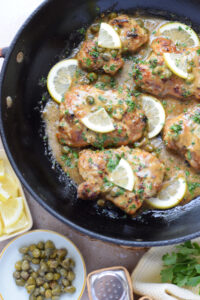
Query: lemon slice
(8, 187)
(171, 194)
(22, 223)
(155, 113)
(11, 211)
(60, 77)
(2, 169)
(98, 121)
(108, 37)
(177, 63)
(181, 34)
(123, 175)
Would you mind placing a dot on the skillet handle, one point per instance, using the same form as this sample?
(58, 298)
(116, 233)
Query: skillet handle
(3, 52)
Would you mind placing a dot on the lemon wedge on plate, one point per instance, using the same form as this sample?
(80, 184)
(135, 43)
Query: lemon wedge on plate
(171, 194)
(20, 224)
(123, 175)
(178, 63)
(11, 211)
(8, 188)
(60, 77)
(108, 37)
(98, 121)
(155, 113)
(180, 34)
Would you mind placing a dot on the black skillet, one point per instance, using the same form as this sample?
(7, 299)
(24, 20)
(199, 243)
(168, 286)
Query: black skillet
(46, 36)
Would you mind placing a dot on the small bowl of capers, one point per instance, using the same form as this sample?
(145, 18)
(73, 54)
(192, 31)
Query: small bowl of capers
(41, 265)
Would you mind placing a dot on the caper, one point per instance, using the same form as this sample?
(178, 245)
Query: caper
(66, 263)
(40, 245)
(30, 288)
(189, 68)
(20, 282)
(69, 289)
(90, 100)
(54, 254)
(101, 202)
(27, 257)
(39, 281)
(53, 284)
(36, 292)
(31, 280)
(190, 78)
(140, 22)
(43, 266)
(49, 276)
(56, 291)
(32, 247)
(112, 15)
(48, 294)
(52, 264)
(40, 297)
(56, 276)
(55, 298)
(42, 254)
(149, 148)
(72, 263)
(24, 250)
(17, 274)
(92, 76)
(36, 253)
(63, 272)
(34, 274)
(105, 56)
(48, 252)
(105, 78)
(61, 253)
(70, 276)
(18, 265)
(114, 53)
(32, 297)
(49, 245)
(46, 285)
(42, 291)
(25, 275)
(25, 265)
(95, 28)
(35, 261)
(65, 282)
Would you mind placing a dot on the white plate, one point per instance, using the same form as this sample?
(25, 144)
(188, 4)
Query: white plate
(10, 291)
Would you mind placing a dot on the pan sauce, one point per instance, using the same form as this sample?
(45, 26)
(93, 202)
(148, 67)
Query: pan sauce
(173, 107)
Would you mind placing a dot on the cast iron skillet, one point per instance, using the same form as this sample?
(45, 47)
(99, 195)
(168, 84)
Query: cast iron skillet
(49, 30)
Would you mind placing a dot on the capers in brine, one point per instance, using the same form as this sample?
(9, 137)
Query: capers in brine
(39, 281)
(70, 276)
(18, 265)
(20, 282)
(40, 297)
(61, 253)
(49, 245)
(43, 266)
(31, 280)
(42, 290)
(49, 276)
(90, 100)
(17, 275)
(48, 294)
(30, 288)
(92, 76)
(34, 274)
(95, 27)
(32, 247)
(25, 265)
(65, 282)
(56, 276)
(35, 261)
(40, 245)
(25, 275)
(32, 297)
(69, 289)
(56, 291)
(63, 272)
(55, 298)
(46, 285)
(24, 250)
(36, 253)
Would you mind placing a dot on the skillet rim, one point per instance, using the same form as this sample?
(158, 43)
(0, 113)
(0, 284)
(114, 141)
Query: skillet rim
(66, 221)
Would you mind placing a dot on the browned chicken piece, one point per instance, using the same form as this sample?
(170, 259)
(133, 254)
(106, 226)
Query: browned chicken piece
(154, 77)
(128, 119)
(132, 35)
(91, 59)
(95, 167)
(182, 134)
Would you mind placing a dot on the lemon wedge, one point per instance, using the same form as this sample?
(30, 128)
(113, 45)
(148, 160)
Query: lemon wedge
(8, 187)
(171, 194)
(181, 34)
(19, 225)
(123, 175)
(98, 121)
(1, 228)
(2, 169)
(11, 211)
(108, 37)
(155, 113)
(60, 77)
(177, 63)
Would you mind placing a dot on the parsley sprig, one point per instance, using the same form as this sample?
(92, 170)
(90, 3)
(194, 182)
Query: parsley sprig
(182, 267)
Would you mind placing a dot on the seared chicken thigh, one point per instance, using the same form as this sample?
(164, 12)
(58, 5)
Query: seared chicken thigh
(153, 75)
(182, 134)
(128, 119)
(95, 167)
(132, 35)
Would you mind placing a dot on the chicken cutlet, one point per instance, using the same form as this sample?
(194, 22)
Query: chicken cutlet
(182, 134)
(94, 58)
(154, 77)
(95, 167)
(128, 119)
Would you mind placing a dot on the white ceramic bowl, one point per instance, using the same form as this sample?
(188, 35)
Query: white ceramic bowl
(8, 257)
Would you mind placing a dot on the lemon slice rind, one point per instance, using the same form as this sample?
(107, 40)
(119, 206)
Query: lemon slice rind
(180, 34)
(177, 63)
(108, 37)
(123, 175)
(98, 121)
(155, 113)
(60, 77)
(11, 211)
(170, 195)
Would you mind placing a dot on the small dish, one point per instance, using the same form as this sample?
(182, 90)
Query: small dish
(21, 194)
(10, 254)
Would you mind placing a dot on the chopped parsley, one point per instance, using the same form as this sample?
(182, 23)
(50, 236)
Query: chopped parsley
(177, 128)
(196, 117)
